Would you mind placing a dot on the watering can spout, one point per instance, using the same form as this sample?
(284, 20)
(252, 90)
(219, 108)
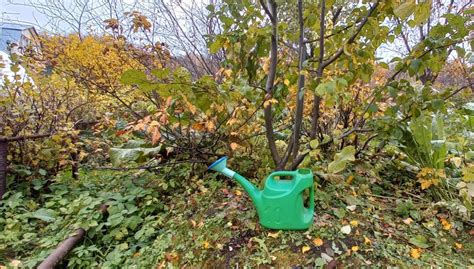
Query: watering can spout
(221, 167)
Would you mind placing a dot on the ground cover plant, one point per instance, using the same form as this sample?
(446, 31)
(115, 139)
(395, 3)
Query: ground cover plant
(109, 120)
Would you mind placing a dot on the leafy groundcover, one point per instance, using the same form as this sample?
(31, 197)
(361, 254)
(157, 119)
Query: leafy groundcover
(215, 225)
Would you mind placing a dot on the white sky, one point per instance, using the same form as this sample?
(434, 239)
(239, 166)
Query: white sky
(20, 13)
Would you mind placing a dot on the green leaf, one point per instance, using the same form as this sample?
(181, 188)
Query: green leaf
(419, 241)
(119, 156)
(373, 108)
(327, 87)
(351, 200)
(422, 12)
(216, 45)
(314, 143)
(341, 159)
(44, 214)
(404, 10)
(161, 73)
(133, 77)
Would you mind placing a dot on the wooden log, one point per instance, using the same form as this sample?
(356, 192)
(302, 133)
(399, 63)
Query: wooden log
(3, 167)
(62, 250)
(67, 245)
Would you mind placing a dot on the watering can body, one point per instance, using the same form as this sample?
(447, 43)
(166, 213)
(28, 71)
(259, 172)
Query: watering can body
(281, 204)
(283, 200)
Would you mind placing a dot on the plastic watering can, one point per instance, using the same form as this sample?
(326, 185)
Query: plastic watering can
(280, 204)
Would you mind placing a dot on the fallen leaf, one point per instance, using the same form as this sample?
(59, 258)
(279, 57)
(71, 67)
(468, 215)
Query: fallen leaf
(367, 240)
(238, 193)
(346, 229)
(274, 235)
(425, 183)
(419, 241)
(318, 242)
(15, 263)
(408, 221)
(349, 179)
(446, 224)
(305, 249)
(351, 207)
(415, 253)
(234, 145)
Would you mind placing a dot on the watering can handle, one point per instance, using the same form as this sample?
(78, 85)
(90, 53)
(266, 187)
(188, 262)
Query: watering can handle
(311, 198)
(282, 173)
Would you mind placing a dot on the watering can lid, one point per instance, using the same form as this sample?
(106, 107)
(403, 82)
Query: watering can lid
(217, 162)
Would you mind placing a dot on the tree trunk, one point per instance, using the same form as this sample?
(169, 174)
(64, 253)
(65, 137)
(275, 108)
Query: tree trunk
(3, 167)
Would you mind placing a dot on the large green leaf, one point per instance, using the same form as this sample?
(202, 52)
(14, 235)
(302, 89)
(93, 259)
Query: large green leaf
(43, 214)
(341, 159)
(419, 241)
(133, 77)
(119, 156)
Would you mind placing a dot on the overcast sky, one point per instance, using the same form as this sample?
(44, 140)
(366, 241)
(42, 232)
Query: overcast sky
(16, 11)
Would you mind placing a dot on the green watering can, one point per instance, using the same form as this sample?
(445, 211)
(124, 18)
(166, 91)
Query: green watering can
(280, 204)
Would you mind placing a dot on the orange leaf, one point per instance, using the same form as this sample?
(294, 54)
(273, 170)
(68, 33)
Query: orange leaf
(415, 253)
(446, 224)
(234, 145)
(318, 242)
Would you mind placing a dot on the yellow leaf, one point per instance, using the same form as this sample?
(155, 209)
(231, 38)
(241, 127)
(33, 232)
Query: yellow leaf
(274, 235)
(355, 248)
(234, 145)
(227, 72)
(349, 179)
(318, 242)
(238, 193)
(458, 245)
(425, 183)
(367, 240)
(305, 249)
(415, 253)
(269, 102)
(446, 224)
(354, 223)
